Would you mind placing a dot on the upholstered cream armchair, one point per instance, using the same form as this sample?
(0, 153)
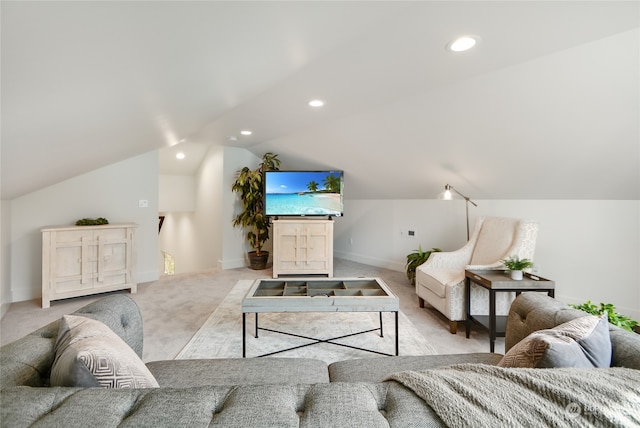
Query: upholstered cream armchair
(440, 280)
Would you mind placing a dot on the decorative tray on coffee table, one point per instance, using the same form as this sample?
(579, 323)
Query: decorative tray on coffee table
(329, 293)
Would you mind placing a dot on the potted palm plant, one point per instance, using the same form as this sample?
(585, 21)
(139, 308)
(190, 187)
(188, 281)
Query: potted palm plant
(249, 185)
(415, 259)
(516, 265)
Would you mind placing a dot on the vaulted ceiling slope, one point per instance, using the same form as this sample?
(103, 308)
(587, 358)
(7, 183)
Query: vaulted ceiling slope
(546, 106)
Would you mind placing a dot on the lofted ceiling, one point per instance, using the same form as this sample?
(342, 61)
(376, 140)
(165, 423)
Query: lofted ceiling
(546, 106)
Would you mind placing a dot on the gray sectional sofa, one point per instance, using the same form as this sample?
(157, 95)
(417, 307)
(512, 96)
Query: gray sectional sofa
(404, 391)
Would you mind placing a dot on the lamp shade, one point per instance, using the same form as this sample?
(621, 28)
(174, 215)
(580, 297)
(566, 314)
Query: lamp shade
(448, 195)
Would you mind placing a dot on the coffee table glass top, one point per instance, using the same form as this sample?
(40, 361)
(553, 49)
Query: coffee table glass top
(332, 294)
(364, 287)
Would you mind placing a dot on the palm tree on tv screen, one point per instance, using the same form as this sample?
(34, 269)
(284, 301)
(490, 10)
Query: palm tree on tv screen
(332, 183)
(312, 186)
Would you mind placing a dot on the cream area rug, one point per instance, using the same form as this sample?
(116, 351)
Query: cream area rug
(221, 334)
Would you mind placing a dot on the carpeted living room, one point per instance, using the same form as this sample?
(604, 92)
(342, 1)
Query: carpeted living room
(451, 384)
(174, 309)
(320, 213)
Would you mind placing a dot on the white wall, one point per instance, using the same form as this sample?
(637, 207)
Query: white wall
(177, 202)
(590, 248)
(177, 193)
(179, 235)
(179, 238)
(5, 256)
(204, 238)
(112, 192)
(235, 245)
(209, 207)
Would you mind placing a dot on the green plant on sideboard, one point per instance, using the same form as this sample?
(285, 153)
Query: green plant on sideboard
(415, 259)
(614, 317)
(92, 221)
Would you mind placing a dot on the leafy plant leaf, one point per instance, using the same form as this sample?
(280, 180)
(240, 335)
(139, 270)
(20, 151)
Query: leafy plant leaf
(415, 259)
(614, 317)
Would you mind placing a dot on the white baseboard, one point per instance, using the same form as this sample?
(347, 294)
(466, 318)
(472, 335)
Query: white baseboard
(3, 309)
(148, 276)
(7, 299)
(232, 263)
(22, 295)
(372, 261)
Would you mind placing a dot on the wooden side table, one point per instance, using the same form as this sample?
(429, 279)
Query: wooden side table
(499, 281)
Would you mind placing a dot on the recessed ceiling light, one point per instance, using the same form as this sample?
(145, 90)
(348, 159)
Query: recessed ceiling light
(183, 140)
(246, 132)
(463, 43)
(180, 155)
(316, 103)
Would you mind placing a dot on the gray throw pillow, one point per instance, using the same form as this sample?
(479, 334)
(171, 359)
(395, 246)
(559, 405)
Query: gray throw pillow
(582, 342)
(90, 354)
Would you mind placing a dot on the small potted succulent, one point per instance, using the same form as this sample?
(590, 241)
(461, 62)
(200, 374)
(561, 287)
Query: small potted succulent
(516, 265)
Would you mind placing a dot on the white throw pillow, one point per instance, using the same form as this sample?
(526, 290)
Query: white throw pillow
(90, 354)
(582, 342)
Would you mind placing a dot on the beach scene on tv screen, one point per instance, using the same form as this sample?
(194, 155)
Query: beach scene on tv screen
(303, 193)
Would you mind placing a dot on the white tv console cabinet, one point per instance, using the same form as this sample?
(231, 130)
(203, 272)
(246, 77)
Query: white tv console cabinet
(302, 246)
(83, 260)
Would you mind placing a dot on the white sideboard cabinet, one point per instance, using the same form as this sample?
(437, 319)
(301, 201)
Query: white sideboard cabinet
(302, 247)
(83, 260)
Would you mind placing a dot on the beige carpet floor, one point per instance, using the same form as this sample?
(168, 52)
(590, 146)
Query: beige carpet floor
(221, 335)
(175, 307)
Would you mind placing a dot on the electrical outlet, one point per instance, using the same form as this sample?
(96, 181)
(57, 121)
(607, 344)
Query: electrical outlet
(407, 233)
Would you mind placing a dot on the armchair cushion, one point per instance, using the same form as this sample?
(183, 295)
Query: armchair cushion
(438, 281)
(494, 241)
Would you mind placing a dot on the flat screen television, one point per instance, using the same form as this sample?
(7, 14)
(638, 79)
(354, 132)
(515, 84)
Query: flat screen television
(304, 193)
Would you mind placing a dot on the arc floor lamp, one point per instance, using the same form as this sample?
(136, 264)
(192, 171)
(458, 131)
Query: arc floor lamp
(447, 195)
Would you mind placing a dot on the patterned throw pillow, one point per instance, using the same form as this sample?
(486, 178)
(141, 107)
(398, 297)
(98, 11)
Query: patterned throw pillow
(582, 342)
(90, 354)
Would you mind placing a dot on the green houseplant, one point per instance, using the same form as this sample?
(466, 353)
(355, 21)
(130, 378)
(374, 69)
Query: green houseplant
(92, 221)
(249, 185)
(614, 317)
(516, 265)
(415, 259)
